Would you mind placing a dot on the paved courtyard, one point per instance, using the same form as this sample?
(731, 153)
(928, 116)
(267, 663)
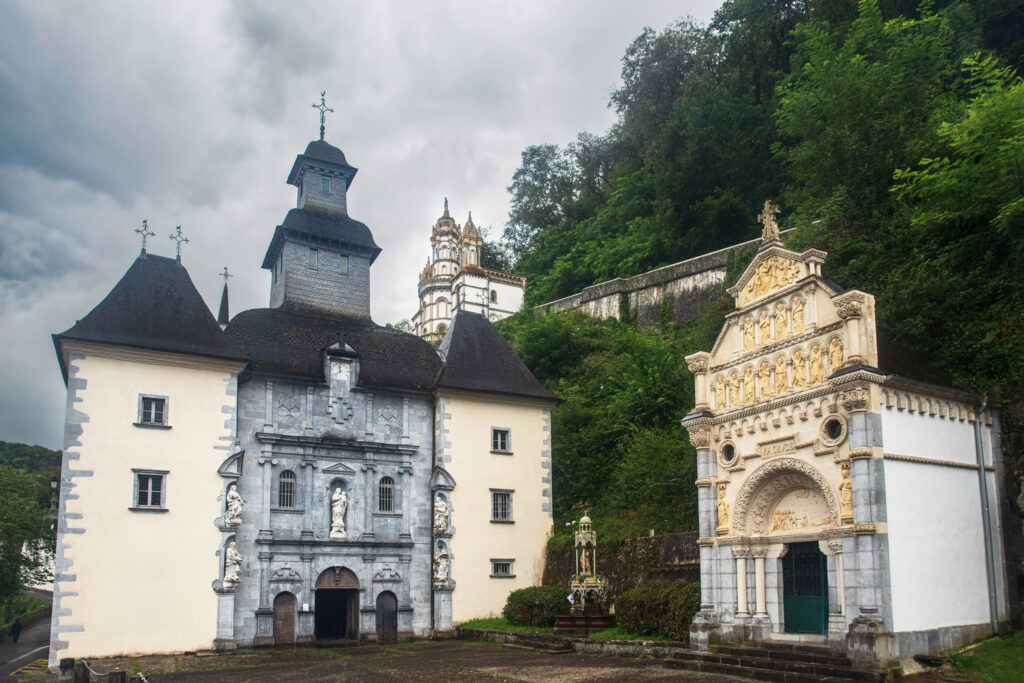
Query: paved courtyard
(419, 661)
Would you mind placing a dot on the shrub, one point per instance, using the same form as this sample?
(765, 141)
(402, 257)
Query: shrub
(536, 606)
(662, 609)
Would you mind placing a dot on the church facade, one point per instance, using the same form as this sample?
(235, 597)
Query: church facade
(297, 473)
(453, 279)
(847, 494)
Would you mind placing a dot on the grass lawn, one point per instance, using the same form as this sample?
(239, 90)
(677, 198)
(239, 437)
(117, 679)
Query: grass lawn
(995, 660)
(500, 624)
(617, 633)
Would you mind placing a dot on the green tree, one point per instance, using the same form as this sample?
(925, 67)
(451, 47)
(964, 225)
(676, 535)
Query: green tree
(25, 518)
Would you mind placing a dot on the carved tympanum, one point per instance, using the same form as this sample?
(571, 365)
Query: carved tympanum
(768, 484)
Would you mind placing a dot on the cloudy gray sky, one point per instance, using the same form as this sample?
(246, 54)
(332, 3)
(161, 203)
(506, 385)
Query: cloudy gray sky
(191, 113)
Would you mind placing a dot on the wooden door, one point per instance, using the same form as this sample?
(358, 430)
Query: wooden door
(284, 619)
(805, 588)
(387, 617)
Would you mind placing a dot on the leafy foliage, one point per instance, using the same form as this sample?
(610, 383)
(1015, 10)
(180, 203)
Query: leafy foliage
(659, 609)
(24, 518)
(30, 458)
(536, 606)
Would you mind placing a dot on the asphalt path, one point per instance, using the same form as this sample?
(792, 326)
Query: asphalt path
(34, 644)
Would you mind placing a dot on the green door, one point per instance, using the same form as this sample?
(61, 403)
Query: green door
(805, 588)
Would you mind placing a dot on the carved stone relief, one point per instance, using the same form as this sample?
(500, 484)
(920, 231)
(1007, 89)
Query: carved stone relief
(801, 508)
(768, 483)
(286, 574)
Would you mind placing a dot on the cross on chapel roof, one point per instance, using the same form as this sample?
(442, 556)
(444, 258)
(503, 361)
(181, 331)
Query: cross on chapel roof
(323, 108)
(770, 233)
(225, 274)
(144, 232)
(180, 239)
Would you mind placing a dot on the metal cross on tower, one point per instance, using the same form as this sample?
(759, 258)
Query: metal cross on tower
(323, 111)
(226, 275)
(180, 239)
(144, 232)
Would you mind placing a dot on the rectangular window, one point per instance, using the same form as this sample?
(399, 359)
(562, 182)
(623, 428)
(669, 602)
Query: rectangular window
(325, 184)
(344, 265)
(500, 440)
(502, 569)
(313, 258)
(152, 411)
(150, 490)
(501, 505)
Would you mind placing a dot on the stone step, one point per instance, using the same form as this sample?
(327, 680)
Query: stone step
(785, 652)
(779, 669)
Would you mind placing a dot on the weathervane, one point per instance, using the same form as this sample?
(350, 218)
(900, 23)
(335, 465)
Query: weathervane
(226, 275)
(323, 111)
(144, 232)
(180, 239)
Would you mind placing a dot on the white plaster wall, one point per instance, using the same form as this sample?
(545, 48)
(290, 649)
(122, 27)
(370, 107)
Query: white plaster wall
(476, 471)
(929, 436)
(144, 579)
(936, 546)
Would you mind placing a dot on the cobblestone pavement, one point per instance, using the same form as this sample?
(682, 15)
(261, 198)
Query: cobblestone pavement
(419, 661)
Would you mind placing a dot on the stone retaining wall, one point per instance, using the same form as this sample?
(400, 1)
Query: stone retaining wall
(553, 643)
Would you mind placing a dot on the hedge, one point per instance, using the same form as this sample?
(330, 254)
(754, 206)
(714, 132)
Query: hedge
(536, 606)
(662, 609)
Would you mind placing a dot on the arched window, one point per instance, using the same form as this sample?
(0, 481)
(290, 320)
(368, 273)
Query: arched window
(442, 328)
(286, 490)
(442, 308)
(386, 498)
(444, 252)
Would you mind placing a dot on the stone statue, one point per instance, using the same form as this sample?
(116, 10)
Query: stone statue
(719, 394)
(588, 561)
(339, 504)
(780, 321)
(797, 313)
(816, 373)
(723, 508)
(734, 389)
(781, 381)
(765, 373)
(846, 493)
(799, 372)
(441, 564)
(763, 278)
(748, 334)
(749, 393)
(440, 516)
(766, 327)
(232, 565)
(835, 354)
(233, 508)
(767, 216)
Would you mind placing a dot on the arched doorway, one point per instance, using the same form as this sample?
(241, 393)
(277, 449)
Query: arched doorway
(387, 617)
(284, 619)
(337, 605)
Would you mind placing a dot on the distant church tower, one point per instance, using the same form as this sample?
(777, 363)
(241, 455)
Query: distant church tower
(453, 279)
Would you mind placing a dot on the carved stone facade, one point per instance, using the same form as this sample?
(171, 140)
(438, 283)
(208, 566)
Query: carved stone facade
(789, 422)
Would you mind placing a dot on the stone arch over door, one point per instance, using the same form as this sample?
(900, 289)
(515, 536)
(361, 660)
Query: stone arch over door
(284, 619)
(387, 617)
(337, 605)
(768, 484)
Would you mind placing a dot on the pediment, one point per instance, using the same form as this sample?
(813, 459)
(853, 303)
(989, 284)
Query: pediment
(232, 465)
(339, 468)
(772, 269)
(440, 479)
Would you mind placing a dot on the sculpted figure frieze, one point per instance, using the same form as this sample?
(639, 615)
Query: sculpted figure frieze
(719, 394)
(817, 376)
(799, 372)
(765, 324)
(749, 394)
(797, 314)
(749, 342)
(765, 375)
(734, 389)
(780, 321)
(723, 510)
(781, 384)
(835, 354)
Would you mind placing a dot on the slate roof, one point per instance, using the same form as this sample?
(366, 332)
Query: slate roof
(154, 306)
(318, 149)
(477, 358)
(323, 226)
(291, 342)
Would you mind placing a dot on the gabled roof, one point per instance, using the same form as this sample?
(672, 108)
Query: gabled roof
(154, 306)
(333, 228)
(292, 342)
(477, 358)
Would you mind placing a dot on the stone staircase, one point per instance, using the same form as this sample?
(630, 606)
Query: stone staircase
(782, 662)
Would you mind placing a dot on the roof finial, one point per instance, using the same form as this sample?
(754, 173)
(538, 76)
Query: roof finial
(180, 239)
(224, 316)
(323, 111)
(770, 233)
(225, 274)
(446, 207)
(144, 232)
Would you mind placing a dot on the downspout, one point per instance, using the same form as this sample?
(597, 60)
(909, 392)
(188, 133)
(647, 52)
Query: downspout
(986, 519)
(433, 539)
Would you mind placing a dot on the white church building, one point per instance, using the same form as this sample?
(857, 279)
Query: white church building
(297, 473)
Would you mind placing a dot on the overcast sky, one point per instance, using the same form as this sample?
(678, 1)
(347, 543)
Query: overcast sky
(191, 114)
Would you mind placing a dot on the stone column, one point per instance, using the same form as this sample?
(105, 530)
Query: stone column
(369, 500)
(405, 484)
(310, 497)
(740, 552)
(850, 307)
(760, 609)
(698, 363)
(266, 462)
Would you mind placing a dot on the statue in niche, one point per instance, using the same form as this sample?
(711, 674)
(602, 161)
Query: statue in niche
(797, 313)
(441, 564)
(734, 389)
(765, 373)
(835, 354)
(748, 334)
(232, 565)
(816, 370)
(780, 321)
(781, 381)
(233, 507)
(441, 511)
(799, 373)
(723, 508)
(719, 394)
(339, 504)
(766, 327)
(588, 560)
(846, 492)
(749, 395)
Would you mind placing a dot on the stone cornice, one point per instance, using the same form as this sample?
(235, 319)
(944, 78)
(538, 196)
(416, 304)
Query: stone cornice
(934, 462)
(335, 444)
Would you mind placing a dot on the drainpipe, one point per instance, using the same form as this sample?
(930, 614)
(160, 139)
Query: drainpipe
(986, 519)
(430, 515)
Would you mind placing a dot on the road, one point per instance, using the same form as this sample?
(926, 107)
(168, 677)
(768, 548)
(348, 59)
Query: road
(34, 644)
